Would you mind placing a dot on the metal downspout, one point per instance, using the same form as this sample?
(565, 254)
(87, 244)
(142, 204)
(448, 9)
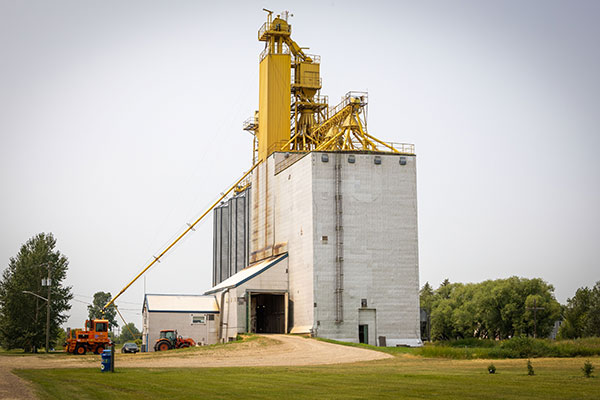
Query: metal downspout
(226, 290)
(339, 243)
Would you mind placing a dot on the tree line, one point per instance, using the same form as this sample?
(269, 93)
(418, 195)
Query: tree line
(506, 308)
(493, 309)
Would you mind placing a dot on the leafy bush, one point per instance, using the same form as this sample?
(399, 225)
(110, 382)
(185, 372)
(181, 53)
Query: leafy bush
(588, 369)
(526, 347)
(468, 342)
(518, 347)
(530, 371)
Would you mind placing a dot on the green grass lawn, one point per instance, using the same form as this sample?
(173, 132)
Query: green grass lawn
(404, 376)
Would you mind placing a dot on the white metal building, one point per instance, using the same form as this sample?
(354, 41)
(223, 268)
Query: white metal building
(193, 316)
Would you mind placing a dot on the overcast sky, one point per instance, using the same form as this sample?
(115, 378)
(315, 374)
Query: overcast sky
(121, 121)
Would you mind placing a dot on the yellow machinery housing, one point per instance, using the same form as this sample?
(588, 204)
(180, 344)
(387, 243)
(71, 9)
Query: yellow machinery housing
(292, 115)
(274, 103)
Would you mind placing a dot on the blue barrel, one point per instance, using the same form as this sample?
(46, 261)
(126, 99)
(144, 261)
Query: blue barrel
(105, 366)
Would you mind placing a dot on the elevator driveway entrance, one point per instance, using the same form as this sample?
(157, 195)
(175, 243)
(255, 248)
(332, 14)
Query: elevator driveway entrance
(267, 312)
(255, 299)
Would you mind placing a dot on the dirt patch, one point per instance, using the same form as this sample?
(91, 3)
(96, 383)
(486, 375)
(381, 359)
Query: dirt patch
(281, 350)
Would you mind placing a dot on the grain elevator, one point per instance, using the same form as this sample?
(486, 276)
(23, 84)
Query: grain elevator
(321, 238)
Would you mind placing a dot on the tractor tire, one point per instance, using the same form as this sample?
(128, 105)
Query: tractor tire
(163, 346)
(99, 349)
(80, 350)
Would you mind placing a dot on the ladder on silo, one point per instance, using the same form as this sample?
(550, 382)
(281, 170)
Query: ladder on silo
(339, 243)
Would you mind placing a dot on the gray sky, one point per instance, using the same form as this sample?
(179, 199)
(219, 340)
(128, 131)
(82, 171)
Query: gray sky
(121, 121)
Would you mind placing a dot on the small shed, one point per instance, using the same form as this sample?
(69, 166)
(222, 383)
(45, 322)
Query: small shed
(193, 316)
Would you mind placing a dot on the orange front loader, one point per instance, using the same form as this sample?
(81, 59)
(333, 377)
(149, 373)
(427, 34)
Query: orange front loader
(94, 337)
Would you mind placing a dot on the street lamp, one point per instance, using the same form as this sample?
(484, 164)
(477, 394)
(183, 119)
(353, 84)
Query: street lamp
(36, 295)
(45, 282)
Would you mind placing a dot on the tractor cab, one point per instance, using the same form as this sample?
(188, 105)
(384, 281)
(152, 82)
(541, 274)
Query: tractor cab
(170, 335)
(97, 325)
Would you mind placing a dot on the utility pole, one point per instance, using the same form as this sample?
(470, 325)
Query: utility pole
(48, 309)
(535, 308)
(45, 282)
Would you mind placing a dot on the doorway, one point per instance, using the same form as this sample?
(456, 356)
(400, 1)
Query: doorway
(363, 334)
(267, 313)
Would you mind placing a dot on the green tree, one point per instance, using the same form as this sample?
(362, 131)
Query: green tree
(581, 315)
(592, 324)
(441, 321)
(23, 315)
(95, 309)
(445, 289)
(127, 331)
(426, 297)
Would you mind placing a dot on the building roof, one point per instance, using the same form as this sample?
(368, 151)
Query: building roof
(247, 273)
(188, 303)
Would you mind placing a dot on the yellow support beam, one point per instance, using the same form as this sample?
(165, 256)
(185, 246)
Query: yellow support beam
(180, 236)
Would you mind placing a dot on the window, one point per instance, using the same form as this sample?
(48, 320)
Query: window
(211, 317)
(363, 303)
(171, 335)
(101, 326)
(198, 319)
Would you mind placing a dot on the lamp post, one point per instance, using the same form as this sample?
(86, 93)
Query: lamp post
(49, 284)
(45, 282)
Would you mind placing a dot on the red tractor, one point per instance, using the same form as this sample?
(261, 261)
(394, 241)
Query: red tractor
(170, 340)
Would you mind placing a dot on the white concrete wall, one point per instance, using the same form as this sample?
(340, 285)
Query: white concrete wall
(261, 212)
(296, 206)
(154, 322)
(380, 247)
(294, 225)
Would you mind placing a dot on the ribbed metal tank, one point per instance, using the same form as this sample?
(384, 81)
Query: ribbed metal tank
(231, 236)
